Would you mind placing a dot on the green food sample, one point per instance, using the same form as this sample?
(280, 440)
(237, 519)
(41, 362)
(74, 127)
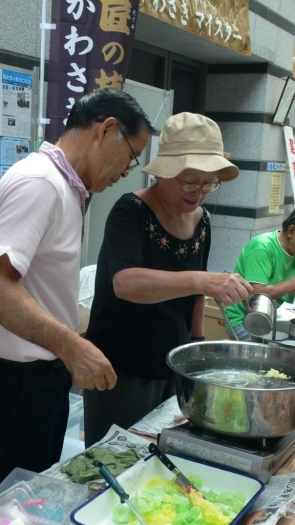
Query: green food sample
(163, 502)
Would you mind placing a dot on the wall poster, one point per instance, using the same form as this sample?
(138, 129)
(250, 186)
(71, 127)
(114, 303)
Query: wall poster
(15, 116)
(16, 107)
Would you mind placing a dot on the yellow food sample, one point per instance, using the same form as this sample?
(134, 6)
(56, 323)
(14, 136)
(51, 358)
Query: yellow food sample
(210, 511)
(275, 373)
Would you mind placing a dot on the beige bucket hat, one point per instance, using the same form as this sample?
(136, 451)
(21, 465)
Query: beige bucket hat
(190, 140)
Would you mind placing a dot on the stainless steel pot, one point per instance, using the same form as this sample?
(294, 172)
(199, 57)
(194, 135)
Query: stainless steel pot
(292, 327)
(221, 386)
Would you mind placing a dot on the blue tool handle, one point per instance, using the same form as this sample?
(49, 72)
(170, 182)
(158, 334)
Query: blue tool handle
(106, 474)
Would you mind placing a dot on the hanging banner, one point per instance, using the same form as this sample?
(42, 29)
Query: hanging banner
(223, 22)
(89, 49)
(290, 147)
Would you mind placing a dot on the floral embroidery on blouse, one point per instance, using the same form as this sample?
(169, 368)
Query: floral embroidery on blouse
(197, 242)
(196, 246)
(151, 228)
(137, 200)
(162, 240)
(182, 251)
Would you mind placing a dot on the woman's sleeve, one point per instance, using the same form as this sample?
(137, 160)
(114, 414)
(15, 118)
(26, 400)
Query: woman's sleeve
(124, 237)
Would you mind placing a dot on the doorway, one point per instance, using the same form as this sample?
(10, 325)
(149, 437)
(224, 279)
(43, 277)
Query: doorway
(163, 69)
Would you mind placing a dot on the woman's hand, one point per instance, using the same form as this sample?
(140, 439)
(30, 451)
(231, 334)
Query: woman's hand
(228, 288)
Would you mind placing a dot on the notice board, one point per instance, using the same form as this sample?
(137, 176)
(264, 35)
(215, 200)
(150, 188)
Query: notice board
(17, 114)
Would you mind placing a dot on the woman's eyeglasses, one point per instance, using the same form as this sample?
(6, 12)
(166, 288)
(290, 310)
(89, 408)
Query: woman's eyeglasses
(205, 187)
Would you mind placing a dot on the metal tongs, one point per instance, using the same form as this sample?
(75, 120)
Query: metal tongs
(225, 316)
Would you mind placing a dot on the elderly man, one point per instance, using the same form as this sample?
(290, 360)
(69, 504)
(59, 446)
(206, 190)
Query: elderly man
(42, 202)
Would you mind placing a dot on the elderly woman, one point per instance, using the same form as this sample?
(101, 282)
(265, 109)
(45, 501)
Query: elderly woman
(267, 261)
(151, 273)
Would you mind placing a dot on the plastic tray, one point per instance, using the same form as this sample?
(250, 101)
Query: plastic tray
(60, 497)
(98, 510)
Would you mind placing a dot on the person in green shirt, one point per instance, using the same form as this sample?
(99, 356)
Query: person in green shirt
(267, 262)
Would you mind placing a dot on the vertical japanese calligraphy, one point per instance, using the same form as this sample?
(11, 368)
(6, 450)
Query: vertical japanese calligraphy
(275, 193)
(90, 49)
(224, 21)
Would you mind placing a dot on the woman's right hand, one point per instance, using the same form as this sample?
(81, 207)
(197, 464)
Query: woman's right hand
(226, 287)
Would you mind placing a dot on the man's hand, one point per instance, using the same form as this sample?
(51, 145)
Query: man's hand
(20, 314)
(89, 367)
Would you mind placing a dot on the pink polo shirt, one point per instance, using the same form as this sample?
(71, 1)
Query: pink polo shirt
(40, 231)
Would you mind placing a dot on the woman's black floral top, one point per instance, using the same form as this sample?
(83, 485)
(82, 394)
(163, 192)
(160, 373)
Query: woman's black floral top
(136, 337)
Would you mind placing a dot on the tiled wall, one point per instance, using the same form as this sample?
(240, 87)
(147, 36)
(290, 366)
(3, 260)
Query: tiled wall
(240, 99)
(20, 26)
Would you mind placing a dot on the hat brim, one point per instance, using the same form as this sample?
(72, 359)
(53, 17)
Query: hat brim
(170, 166)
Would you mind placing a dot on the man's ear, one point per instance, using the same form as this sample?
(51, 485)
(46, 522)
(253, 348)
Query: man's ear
(105, 127)
(109, 124)
(291, 230)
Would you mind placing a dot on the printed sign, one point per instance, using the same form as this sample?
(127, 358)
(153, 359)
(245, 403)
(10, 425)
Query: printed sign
(16, 103)
(225, 23)
(3, 170)
(275, 193)
(276, 166)
(13, 149)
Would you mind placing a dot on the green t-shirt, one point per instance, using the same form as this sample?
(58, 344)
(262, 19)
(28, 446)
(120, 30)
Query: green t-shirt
(262, 261)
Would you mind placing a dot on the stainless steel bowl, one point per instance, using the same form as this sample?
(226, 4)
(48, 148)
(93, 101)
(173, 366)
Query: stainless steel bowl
(221, 386)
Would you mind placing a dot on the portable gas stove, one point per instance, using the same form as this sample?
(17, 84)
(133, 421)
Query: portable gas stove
(259, 458)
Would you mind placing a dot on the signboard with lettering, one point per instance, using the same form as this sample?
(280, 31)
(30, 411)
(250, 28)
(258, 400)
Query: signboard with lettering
(290, 147)
(89, 49)
(276, 166)
(275, 193)
(226, 22)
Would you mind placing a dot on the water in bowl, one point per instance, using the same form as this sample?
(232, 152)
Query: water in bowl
(243, 379)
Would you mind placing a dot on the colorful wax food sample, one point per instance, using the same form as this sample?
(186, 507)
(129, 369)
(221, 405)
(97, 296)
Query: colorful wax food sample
(162, 502)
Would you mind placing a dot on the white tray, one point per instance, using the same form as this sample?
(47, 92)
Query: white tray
(98, 510)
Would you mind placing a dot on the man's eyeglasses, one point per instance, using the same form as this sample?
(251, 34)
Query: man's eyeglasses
(206, 187)
(135, 162)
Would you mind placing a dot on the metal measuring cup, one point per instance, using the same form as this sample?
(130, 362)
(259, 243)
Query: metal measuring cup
(260, 316)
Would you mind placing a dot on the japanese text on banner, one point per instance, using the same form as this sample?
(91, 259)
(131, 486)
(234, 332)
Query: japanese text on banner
(89, 49)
